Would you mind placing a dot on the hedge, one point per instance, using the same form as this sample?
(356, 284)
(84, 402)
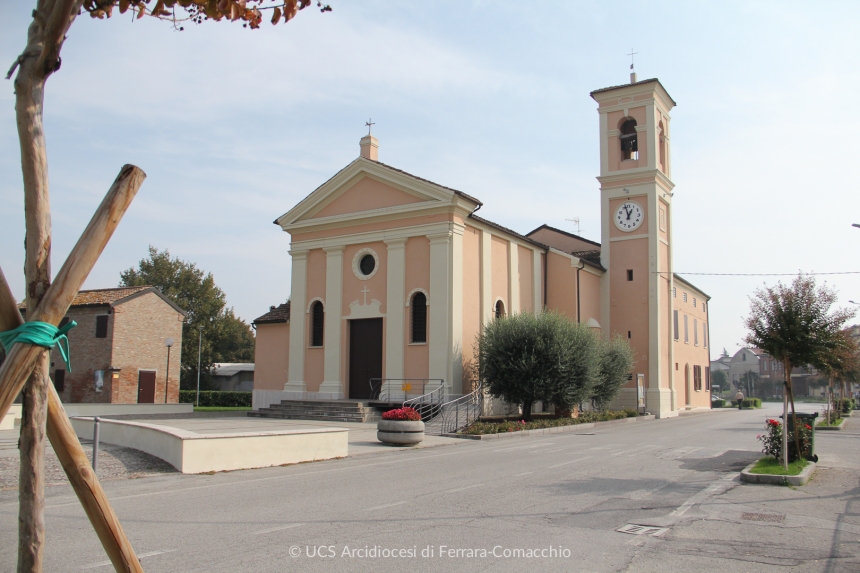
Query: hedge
(216, 398)
(718, 403)
(480, 428)
(847, 404)
(752, 402)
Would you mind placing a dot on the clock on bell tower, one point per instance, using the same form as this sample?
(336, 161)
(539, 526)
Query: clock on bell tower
(636, 234)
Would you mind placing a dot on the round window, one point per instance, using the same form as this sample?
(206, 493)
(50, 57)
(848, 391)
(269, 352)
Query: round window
(367, 264)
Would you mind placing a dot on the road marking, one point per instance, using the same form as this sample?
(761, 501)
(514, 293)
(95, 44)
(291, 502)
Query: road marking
(526, 447)
(139, 556)
(723, 484)
(635, 450)
(570, 462)
(384, 506)
(462, 488)
(547, 451)
(523, 474)
(290, 526)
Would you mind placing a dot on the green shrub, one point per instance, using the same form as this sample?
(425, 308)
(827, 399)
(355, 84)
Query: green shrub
(752, 402)
(718, 403)
(216, 398)
(847, 404)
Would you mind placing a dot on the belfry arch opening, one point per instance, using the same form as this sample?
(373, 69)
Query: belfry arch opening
(629, 139)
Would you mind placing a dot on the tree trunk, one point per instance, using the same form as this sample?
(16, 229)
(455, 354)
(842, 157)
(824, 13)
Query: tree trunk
(527, 410)
(793, 416)
(41, 57)
(29, 92)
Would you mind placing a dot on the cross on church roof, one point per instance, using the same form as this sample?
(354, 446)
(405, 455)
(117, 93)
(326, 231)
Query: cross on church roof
(369, 123)
(631, 54)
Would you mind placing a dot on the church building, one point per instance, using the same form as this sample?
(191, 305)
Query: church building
(393, 276)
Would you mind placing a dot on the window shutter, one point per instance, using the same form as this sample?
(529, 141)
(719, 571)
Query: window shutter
(675, 313)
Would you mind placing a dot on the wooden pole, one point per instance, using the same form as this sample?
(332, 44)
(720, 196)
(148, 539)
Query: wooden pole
(21, 358)
(74, 460)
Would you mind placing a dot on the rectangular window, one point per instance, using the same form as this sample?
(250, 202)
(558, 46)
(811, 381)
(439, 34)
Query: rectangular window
(686, 331)
(101, 326)
(60, 380)
(694, 302)
(674, 292)
(705, 334)
(695, 332)
(707, 378)
(629, 334)
(675, 315)
(629, 274)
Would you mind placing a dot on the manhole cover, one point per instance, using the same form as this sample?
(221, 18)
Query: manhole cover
(763, 517)
(634, 529)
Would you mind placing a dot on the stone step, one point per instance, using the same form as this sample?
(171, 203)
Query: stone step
(282, 416)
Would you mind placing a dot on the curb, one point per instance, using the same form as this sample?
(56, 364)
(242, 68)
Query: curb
(771, 479)
(542, 431)
(831, 428)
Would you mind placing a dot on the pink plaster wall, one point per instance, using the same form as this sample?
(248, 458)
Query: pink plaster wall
(690, 353)
(629, 299)
(561, 285)
(366, 194)
(589, 302)
(271, 356)
(500, 272)
(417, 356)
(525, 262)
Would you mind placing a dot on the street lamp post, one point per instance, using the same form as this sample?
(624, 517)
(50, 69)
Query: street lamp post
(168, 342)
(199, 354)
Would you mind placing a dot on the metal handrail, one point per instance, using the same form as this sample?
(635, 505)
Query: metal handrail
(458, 413)
(379, 391)
(428, 405)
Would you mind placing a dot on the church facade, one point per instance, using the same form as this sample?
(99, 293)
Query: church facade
(393, 276)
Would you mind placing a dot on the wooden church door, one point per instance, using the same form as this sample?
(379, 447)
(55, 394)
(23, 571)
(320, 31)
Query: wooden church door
(365, 355)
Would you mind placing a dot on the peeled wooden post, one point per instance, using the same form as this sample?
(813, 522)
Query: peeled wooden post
(22, 358)
(74, 460)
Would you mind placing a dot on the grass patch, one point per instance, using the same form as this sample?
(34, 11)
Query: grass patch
(770, 465)
(222, 409)
(823, 423)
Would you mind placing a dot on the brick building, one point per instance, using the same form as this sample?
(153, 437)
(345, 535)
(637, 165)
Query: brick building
(118, 350)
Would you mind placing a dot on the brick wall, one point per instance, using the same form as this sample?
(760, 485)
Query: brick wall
(141, 325)
(88, 355)
(135, 341)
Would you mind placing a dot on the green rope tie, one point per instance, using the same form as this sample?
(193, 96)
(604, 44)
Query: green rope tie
(40, 334)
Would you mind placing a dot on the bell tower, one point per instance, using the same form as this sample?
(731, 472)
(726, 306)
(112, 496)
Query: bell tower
(636, 234)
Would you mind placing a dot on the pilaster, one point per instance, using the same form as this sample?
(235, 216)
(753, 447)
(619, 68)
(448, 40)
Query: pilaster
(513, 278)
(440, 311)
(332, 386)
(298, 281)
(395, 309)
(537, 283)
(486, 277)
(455, 365)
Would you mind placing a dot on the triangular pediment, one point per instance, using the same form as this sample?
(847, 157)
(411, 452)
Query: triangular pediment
(364, 193)
(363, 189)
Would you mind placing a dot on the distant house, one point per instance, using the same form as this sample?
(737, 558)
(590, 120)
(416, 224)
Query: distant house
(118, 351)
(233, 376)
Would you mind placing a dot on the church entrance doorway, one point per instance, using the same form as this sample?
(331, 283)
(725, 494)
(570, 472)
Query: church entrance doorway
(365, 355)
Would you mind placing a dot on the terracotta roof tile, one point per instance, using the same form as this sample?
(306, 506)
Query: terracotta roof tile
(591, 257)
(103, 296)
(276, 314)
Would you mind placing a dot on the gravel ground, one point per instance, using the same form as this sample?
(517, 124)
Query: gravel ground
(115, 463)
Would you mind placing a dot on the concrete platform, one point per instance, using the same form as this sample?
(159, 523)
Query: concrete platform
(8, 421)
(220, 447)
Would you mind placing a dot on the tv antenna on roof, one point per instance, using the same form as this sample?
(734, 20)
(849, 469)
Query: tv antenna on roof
(575, 221)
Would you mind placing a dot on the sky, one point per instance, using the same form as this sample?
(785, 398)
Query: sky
(234, 127)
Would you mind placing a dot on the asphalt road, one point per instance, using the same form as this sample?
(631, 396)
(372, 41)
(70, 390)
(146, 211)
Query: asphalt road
(540, 503)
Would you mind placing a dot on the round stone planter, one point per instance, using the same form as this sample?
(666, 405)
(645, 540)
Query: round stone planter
(400, 432)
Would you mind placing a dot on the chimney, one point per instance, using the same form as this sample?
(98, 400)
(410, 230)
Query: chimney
(632, 77)
(369, 147)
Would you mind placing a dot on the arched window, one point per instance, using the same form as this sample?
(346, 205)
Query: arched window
(628, 137)
(419, 317)
(500, 309)
(317, 321)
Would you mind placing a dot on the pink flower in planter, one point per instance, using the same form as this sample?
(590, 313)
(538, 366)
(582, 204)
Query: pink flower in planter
(404, 414)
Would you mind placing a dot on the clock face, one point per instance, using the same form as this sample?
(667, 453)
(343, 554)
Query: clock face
(628, 216)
